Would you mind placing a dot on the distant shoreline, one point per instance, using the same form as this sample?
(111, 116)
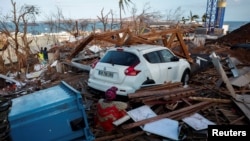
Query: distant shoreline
(38, 28)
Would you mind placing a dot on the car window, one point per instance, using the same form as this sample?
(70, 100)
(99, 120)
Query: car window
(120, 58)
(152, 57)
(165, 55)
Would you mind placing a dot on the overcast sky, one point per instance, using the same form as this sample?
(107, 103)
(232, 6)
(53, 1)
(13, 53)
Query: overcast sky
(236, 10)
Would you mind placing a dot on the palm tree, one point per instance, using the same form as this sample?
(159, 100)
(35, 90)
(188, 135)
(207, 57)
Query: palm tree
(204, 17)
(121, 7)
(184, 20)
(193, 17)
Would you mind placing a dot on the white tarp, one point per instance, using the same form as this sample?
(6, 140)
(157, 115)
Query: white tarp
(197, 121)
(18, 84)
(95, 48)
(141, 113)
(164, 127)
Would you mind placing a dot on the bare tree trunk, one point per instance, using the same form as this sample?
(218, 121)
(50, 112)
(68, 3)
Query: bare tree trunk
(19, 42)
(77, 30)
(104, 20)
(120, 18)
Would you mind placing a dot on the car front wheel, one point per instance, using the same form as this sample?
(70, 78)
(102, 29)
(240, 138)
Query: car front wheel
(185, 77)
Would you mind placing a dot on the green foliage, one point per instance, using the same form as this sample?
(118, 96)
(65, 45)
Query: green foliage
(193, 17)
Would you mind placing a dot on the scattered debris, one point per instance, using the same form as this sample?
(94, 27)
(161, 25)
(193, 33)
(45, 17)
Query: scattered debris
(218, 92)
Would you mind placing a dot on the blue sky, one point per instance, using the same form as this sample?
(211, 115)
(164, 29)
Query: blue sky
(236, 10)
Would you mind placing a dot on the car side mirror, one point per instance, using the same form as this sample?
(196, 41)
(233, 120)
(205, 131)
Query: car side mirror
(174, 59)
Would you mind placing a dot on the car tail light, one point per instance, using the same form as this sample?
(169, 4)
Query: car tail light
(131, 71)
(94, 63)
(119, 49)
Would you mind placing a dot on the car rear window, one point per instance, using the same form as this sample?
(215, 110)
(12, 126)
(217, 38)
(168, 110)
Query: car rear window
(120, 58)
(152, 57)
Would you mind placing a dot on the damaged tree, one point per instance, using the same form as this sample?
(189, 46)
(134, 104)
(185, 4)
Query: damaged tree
(121, 8)
(140, 21)
(20, 19)
(104, 20)
(61, 23)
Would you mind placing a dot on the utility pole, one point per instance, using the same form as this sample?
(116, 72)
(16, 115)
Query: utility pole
(215, 12)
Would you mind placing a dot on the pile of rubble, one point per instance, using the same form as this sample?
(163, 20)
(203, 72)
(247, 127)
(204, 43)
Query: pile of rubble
(240, 35)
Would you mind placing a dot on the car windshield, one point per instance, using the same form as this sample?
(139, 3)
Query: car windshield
(120, 58)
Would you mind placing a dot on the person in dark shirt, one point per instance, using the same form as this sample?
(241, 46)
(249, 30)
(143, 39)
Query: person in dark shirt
(40, 55)
(45, 54)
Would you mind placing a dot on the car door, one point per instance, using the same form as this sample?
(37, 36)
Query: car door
(168, 67)
(153, 61)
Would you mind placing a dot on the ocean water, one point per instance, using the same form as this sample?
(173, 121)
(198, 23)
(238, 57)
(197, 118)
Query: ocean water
(235, 24)
(39, 28)
(46, 28)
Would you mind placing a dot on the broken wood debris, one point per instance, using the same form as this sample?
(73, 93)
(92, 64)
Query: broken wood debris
(142, 122)
(206, 86)
(211, 99)
(127, 37)
(243, 100)
(109, 137)
(130, 136)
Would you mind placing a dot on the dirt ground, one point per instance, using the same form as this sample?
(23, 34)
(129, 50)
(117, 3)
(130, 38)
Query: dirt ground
(240, 35)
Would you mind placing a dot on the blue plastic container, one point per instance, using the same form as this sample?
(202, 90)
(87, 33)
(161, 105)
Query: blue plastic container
(53, 114)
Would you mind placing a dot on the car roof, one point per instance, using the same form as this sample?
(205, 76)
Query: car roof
(141, 47)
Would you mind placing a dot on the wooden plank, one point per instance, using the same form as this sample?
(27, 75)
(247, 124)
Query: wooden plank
(243, 102)
(109, 137)
(218, 66)
(186, 101)
(130, 136)
(237, 120)
(211, 99)
(159, 92)
(81, 46)
(216, 115)
(168, 85)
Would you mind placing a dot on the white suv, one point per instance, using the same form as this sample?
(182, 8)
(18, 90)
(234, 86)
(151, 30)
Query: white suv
(130, 68)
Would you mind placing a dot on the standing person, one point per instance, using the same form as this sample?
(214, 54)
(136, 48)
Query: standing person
(41, 50)
(40, 55)
(109, 110)
(45, 54)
